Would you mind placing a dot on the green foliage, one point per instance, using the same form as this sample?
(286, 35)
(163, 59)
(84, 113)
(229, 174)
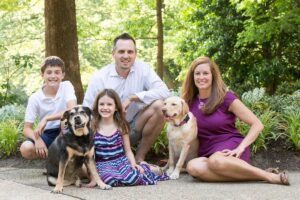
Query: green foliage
(12, 112)
(270, 132)
(160, 147)
(9, 137)
(255, 100)
(256, 42)
(11, 91)
(11, 127)
(288, 87)
(13, 5)
(292, 118)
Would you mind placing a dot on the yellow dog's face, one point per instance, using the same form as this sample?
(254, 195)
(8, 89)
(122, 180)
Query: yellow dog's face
(78, 120)
(174, 107)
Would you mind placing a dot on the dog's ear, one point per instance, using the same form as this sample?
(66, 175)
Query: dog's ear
(87, 110)
(185, 107)
(65, 116)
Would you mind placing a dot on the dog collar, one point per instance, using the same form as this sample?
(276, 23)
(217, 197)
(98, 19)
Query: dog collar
(185, 120)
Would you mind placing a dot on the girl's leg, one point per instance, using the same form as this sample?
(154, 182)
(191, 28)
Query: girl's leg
(239, 170)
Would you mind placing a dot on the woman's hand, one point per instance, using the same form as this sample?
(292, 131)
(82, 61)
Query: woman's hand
(237, 152)
(138, 167)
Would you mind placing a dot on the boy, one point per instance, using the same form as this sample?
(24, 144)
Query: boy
(48, 104)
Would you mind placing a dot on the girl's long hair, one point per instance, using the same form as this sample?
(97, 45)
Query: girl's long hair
(119, 116)
(189, 90)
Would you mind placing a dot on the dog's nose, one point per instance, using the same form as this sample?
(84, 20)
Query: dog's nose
(164, 111)
(77, 120)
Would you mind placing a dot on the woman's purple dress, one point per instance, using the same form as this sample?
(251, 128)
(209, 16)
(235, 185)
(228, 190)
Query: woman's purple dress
(217, 131)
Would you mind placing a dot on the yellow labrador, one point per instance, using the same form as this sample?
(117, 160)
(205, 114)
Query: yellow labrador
(182, 134)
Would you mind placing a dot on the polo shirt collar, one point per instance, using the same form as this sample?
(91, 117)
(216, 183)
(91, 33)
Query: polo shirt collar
(45, 98)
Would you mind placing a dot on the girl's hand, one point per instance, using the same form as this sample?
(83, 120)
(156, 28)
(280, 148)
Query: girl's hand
(138, 167)
(237, 152)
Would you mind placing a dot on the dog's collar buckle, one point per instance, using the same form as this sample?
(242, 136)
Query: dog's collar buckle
(184, 121)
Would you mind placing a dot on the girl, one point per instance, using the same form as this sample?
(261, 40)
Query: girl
(115, 161)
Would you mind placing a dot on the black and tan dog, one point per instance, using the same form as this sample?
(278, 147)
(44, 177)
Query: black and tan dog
(71, 151)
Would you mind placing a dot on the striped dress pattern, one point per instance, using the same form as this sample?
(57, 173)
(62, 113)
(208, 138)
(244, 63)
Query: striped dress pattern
(114, 167)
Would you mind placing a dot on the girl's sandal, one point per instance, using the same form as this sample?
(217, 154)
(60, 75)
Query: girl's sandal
(284, 178)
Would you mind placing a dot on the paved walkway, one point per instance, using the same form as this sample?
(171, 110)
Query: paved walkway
(16, 183)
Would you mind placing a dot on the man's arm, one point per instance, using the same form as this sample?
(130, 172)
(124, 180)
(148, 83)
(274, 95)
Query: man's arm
(155, 89)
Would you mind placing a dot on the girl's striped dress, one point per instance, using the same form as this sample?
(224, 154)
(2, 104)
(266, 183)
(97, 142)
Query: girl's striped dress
(114, 167)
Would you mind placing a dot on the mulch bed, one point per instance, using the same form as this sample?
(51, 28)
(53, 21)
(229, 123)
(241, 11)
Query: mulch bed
(277, 155)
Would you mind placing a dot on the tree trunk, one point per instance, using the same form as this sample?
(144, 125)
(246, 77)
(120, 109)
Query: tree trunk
(160, 39)
(61, 39)
(270, 83)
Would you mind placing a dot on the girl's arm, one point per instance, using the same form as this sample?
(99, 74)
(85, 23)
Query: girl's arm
(129, 154)
(127, 149)
(247, 116)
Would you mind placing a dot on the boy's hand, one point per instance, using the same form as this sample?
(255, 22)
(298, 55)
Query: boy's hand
(40, 128)
(40, 148)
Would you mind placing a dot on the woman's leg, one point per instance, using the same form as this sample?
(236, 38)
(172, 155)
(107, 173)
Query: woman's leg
(199, 169)
(238, 170)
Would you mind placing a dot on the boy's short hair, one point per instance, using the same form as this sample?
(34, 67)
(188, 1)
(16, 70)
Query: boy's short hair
(123, 36)
(53, 61)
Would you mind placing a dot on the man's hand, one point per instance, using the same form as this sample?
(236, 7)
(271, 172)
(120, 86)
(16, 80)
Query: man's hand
(125, 104)
(40, 148)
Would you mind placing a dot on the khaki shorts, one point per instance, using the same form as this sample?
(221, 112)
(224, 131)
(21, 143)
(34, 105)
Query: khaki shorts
(135, 136)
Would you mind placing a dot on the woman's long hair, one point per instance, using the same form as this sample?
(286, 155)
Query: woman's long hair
(189, 90)
(119, 116)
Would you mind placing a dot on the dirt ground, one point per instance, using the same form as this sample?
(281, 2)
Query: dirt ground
(277, 155)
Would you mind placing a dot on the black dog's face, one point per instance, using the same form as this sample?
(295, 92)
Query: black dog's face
(78, 119)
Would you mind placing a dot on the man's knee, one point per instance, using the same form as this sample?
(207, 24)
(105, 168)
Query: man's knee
(27, 150)
(156, 109)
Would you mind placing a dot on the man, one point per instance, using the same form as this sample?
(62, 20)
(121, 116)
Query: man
(140, 89)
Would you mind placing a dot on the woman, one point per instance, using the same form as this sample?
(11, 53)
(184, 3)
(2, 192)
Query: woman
(224, 154)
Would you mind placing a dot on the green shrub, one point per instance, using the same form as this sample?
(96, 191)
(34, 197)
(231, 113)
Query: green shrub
(270, 132)
(9, 137)
(288, 87)
(257, 102)
(160, 147)
(16, 112)
(291, 117)
(279, 103)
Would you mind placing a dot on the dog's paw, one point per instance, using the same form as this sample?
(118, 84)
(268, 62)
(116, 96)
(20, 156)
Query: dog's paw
(174, 175)
(105, 187)
(170, 171)
(57, 190)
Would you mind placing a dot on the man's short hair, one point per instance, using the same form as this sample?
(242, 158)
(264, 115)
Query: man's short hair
(123, 36)
(53, 61)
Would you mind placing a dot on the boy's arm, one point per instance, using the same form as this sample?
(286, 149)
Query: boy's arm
(28, 131)
(39, 130)
(40, 147)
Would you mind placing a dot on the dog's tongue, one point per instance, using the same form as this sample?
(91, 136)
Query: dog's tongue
(168, 118)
